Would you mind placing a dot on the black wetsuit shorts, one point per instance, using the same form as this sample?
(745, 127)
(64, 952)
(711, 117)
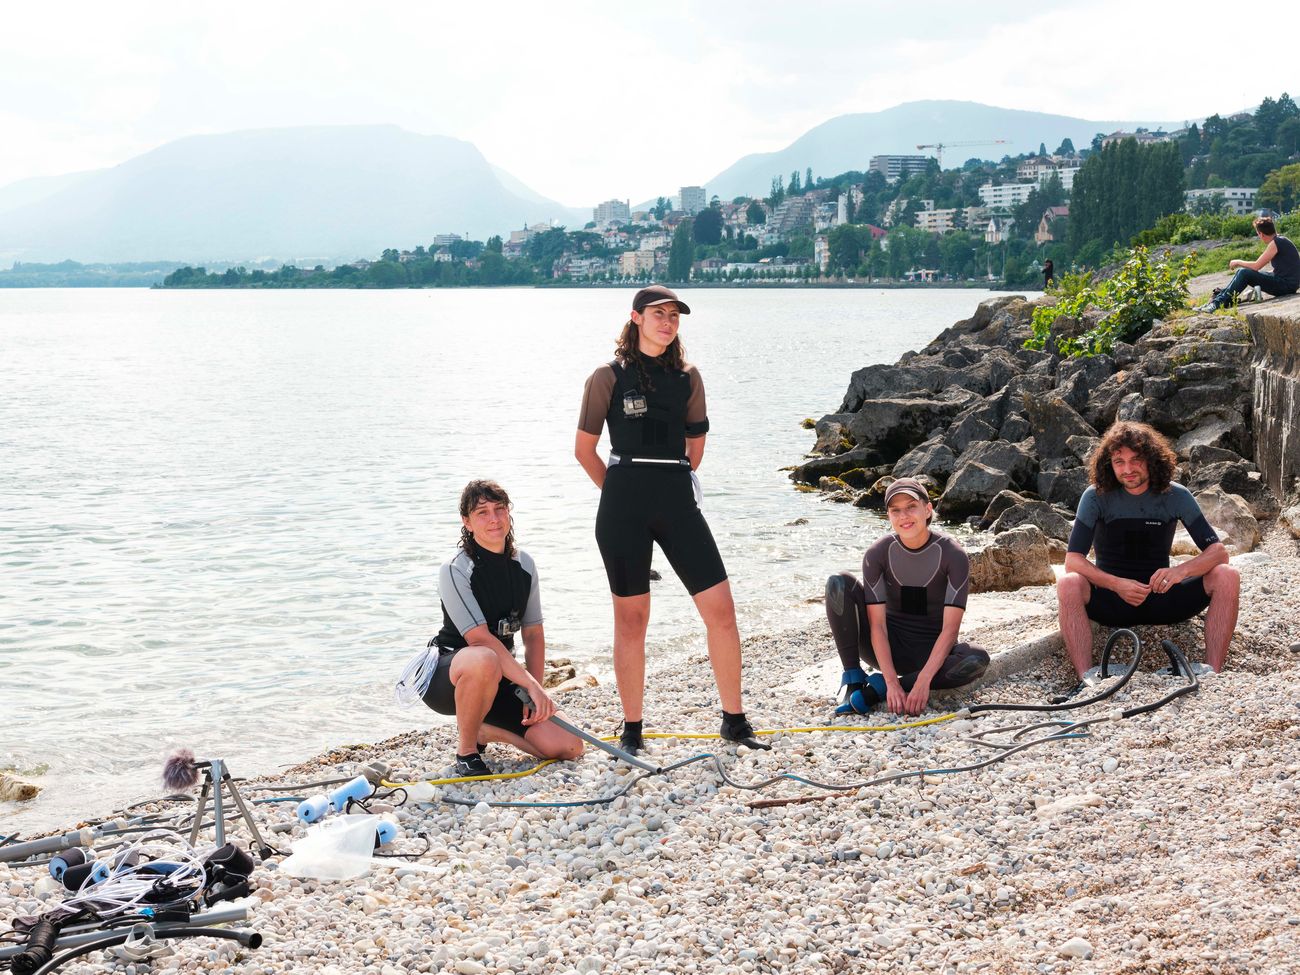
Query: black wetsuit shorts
(1180, 603)
(506, 712)
(643, 505)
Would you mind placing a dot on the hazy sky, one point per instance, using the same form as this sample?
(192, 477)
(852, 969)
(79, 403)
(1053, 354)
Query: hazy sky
(584, 101)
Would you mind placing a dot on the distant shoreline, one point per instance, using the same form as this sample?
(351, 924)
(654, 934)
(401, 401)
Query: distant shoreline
(622, 285)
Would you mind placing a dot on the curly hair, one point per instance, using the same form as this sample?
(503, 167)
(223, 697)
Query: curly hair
(1145, 441)
(627, 350)
(474, 494)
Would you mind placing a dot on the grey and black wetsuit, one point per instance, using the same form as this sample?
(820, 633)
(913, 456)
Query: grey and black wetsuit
(915, 586)
(1133, 534)
(492, 589)
(649, 495)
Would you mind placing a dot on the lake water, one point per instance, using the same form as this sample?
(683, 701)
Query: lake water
(222, 513)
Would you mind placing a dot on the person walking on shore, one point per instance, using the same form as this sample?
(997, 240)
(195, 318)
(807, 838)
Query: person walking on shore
(904, 616)
(489, 592)
(652, 400)
(1279, 252)
(1129, 513)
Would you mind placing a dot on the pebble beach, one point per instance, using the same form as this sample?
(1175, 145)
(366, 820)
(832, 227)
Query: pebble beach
(1166, 842)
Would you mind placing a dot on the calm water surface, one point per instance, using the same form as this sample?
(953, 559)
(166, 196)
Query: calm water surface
(222, 513)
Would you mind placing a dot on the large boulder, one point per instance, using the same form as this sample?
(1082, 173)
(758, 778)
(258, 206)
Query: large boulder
(934, 457)
(1015, 428)
(1000, 503)
(979, 421)
(1239, 477)
(1054, 422)
(1015, 558)
(894, 426)
(1216, 431)
(1290, 520)
(882, 381)
(1077, 378)
(833, 434)
(812, 471)
(1040, 514)
(1062, 482)
(984, 469)
(1231, 516)
(1105, 398)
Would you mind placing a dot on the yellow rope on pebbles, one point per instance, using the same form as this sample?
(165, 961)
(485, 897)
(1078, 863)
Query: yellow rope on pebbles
(687, 735)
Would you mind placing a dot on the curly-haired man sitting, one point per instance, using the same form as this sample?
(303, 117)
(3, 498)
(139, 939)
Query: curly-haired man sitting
(1130, 513)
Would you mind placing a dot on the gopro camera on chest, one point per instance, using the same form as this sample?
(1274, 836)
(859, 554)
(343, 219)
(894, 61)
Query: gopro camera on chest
(634, 405)
(509, 625)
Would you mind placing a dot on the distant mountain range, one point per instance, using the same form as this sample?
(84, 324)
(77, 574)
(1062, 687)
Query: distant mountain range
(301, 194)
(847, 142)
(336, 193)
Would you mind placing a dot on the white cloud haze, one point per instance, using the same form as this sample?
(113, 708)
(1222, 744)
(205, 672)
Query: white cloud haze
(584, 100)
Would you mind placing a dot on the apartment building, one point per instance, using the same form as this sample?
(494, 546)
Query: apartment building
(612, 211)
(1240, 200)
(693, 199)
(1006, 195)
(894, 168)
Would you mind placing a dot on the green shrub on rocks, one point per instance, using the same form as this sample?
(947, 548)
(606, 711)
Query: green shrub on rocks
(1141, 291)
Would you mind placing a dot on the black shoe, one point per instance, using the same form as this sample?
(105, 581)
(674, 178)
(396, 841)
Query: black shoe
(630, 740)
(468, 766)
(741, 732)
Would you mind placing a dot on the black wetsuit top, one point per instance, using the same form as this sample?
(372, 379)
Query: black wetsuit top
(486, 590)
(644, 504)
(1133, 533)
(915, 586)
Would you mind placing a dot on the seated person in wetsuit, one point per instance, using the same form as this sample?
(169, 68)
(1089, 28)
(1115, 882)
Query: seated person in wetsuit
(903, 617)
(1279, 252)
(489, 592)
(1129, 514)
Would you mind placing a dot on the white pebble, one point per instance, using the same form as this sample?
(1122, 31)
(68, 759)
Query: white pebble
(1075, 948)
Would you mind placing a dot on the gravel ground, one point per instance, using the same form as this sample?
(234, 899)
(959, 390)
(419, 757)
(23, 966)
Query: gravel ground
(1162, 843)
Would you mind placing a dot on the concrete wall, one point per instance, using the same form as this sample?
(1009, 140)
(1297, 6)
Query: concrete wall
(1275, 328)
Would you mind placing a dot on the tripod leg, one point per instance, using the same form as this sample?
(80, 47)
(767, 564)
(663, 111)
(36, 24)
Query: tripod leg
(218, 776)
(201, 807)
(264, 851)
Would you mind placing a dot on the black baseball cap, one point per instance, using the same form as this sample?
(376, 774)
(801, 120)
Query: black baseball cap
(657, 294)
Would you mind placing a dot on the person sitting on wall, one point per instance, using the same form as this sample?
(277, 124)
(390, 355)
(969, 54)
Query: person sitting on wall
(1280, 252)
(903, 617)
(1129, 514)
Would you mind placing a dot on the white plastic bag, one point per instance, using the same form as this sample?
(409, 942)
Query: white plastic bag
(340, 848)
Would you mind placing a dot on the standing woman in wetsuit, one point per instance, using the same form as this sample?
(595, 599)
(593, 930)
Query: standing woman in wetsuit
(653, 402)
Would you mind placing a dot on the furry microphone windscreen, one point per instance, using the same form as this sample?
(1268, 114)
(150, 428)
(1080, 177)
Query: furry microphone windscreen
(179, 771)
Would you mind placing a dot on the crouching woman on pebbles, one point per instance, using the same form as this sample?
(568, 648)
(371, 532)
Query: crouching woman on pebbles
(489, 592)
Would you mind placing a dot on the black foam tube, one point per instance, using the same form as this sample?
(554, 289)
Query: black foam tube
(249, 939)
(39, 949)
(1082, 702)
(1181, 666)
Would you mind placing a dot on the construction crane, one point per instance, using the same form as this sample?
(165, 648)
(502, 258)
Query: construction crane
(939, 147)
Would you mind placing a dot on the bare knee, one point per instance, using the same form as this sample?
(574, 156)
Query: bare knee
(1223, 580)
(632, 615)
(1072, 589)
(477, 665)
(568, 751)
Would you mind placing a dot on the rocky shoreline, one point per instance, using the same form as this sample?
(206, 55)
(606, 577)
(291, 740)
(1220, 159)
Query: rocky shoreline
(1161, 843)
(1000, 434)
